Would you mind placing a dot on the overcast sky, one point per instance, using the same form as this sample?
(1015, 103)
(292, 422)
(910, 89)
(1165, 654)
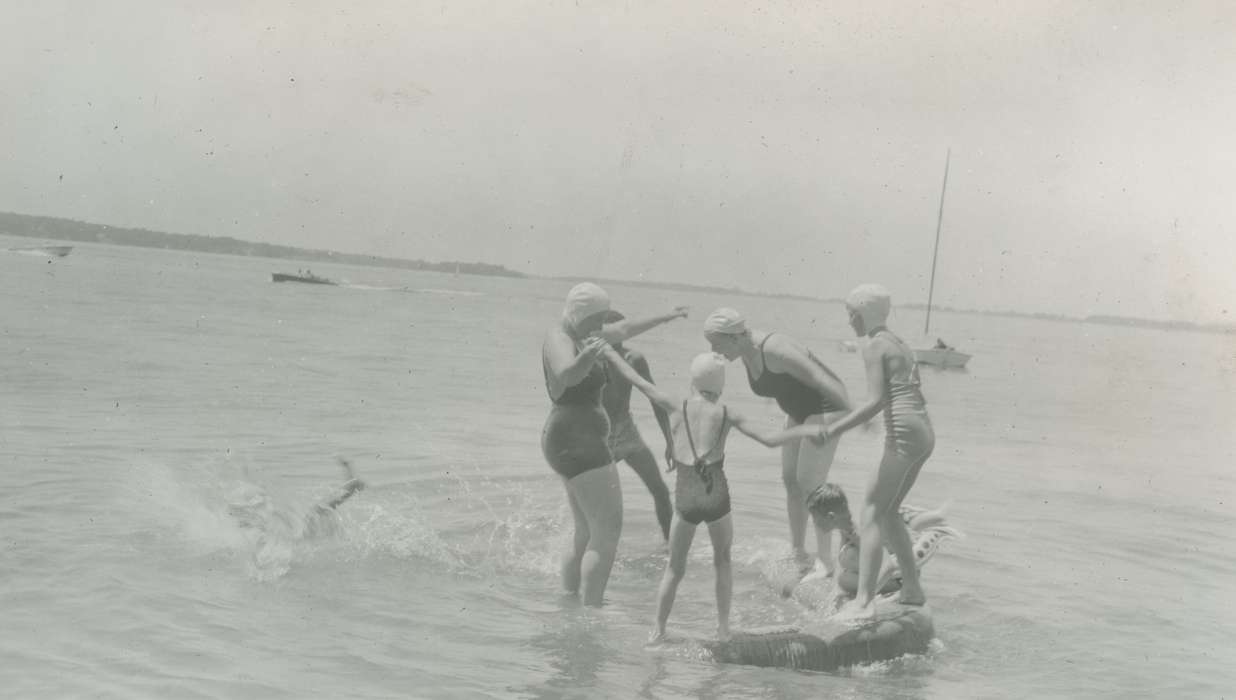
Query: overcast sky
(783, 147)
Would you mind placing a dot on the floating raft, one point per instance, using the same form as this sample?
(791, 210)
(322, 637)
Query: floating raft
(896, 630)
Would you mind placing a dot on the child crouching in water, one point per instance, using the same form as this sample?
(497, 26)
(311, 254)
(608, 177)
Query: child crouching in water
(699, 426)
(830, 510)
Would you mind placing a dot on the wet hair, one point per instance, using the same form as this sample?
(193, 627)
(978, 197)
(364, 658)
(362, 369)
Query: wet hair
(827, 499)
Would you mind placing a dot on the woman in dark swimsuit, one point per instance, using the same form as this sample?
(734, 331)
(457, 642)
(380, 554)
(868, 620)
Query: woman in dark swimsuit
(809, 393)
(575, 439)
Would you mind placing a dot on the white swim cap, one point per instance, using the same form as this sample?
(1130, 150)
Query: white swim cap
(725, 321)
(584, 300)
(708, 372)
(870, 301)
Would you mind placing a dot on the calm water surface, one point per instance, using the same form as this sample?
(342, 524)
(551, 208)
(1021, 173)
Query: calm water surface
(1089, 466)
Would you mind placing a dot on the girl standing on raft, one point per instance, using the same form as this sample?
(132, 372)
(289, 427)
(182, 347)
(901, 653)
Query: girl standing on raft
(809, 393)
(575, 439)
(892, 386)
(699, 426)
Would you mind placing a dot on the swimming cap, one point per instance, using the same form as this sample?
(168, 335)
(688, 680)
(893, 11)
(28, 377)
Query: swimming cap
(584, 300)
(871, 302)
(725, 321)
(708, 372)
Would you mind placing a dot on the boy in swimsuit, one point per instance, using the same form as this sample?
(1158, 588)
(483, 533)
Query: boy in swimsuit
(699, 426)
(831, 511)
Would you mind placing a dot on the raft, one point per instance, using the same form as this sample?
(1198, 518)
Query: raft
(896, 630)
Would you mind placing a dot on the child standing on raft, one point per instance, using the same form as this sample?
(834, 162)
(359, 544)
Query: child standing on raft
(892, 386)
(699, 426)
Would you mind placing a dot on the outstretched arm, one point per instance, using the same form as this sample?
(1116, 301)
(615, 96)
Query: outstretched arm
(873, 358)
(655, 395)
(630, 327)
(768, 437)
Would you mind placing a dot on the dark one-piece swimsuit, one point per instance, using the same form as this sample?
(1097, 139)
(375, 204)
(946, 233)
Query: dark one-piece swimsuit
(702, 493)
(575, 438)
(796, 399)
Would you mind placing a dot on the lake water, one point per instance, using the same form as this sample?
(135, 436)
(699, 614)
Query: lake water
(1089, 466)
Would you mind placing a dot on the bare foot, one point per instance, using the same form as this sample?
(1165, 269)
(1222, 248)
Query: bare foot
(657, 636)
(723, 633)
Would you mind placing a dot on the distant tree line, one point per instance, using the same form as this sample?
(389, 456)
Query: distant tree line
(69, 230)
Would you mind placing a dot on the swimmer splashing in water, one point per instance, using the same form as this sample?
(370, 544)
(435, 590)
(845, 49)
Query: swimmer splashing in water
(256, 513)
(699, 426)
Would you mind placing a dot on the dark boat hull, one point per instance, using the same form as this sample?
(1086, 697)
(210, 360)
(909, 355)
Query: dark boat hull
(284, 277)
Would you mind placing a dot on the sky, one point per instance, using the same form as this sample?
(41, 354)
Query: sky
(785, 147)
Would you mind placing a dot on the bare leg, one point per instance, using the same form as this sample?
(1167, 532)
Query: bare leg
(795, 499)
(579, 543)
(599, 495)
(882, 524)
(722, 534)
(811, 471)
(645, 465)
(681, 534)
(911, 587)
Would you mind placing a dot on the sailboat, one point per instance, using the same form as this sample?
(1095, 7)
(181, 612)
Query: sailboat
(940, 354)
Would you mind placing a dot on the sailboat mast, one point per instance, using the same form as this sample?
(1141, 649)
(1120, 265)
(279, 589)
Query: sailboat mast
(936, 254)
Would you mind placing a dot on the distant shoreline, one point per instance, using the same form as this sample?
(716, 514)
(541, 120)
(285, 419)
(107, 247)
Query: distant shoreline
(1095, 319)
(25, 226)
(69, 230)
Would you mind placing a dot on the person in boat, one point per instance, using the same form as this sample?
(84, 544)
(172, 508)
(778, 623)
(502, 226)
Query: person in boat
(809, 393)
(893, 386)
(830, 509)
(625, 441)
(941, 345)
(575, 438)
(699, 426)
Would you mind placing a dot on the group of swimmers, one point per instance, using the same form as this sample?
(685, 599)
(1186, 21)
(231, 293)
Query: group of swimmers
(589, 375)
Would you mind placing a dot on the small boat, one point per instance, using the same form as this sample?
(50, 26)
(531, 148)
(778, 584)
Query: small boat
(50, 251)
(307, 278)
(940, 355)
(947, 358)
